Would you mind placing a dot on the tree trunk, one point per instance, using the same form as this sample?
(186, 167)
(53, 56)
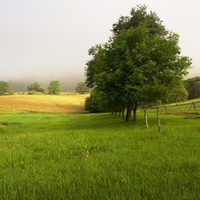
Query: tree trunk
(134, 112)
(129, 111)
(145, 118)
(123, 108)
(158, 118)
(120, 112)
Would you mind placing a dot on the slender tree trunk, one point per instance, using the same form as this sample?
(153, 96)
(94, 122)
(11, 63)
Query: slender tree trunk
(166, 109)
(134, 112)
(123, 115)
(158, 118)
(120, 112)
(112, 112)
(145, 118)
(129, 111)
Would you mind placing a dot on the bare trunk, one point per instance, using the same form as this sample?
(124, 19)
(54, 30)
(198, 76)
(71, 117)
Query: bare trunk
(129, 110)
(120, 112)
(145, 118)
(123, 115)
(166, 109)
(158, 118)
(134, 112)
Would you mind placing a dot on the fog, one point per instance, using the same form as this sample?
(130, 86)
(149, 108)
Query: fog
(68, 84)
(47, 40)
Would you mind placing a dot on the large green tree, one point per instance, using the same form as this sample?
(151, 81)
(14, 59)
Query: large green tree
(140, 63)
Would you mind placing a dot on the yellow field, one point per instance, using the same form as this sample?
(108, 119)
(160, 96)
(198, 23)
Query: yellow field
(44, 103)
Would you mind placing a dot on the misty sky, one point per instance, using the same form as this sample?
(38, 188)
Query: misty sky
(49, 39)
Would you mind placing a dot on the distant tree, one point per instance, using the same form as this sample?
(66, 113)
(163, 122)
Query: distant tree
(4, 87)
(82, 88)
(54, 87)
(35, 87)
(193, 87)
(178, 93)
(11, 92)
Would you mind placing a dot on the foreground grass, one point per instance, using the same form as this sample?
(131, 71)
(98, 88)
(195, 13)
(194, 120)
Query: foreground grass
(88, 156)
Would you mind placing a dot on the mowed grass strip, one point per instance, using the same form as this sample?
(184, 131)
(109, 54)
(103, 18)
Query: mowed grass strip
(44, 103)
(98, 156)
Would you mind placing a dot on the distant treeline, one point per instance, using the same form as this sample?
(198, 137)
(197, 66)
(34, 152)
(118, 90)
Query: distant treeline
(193, 87)
(54, 87)
(190, 89)
(21, 86)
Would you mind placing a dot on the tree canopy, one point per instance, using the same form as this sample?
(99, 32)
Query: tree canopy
(139, 64)
(54, 87)
(35, 87)
(4, 87)
(193, 87)
(81, 88)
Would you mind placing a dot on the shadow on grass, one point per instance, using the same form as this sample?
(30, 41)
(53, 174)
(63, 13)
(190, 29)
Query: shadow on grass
(98, 121)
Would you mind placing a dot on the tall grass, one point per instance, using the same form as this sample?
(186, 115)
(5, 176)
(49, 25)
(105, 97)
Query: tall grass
(97, 156)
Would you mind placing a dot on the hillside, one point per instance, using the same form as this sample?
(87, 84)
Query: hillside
(67, 103)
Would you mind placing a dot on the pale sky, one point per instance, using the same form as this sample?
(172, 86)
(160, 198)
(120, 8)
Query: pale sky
(49, 39)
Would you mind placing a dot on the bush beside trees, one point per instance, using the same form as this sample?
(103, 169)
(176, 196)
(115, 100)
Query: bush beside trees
(96, 102)
(178, 93)
(35, 87)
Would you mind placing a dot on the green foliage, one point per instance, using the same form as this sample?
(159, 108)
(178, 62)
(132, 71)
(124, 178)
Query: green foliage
(97, 102)
(193, 87)
(35, 87)
(4, 87)
(178, 94)
(91, 105)
(82, 88)
(11, 92)
(96, 156)
(54, 87)
(138, 15)
(32, 92)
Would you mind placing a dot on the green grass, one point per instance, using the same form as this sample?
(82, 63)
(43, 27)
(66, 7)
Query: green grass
(98, 156)
(191, 107)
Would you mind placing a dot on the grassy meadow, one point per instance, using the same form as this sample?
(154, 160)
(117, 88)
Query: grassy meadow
(47, 154)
